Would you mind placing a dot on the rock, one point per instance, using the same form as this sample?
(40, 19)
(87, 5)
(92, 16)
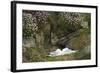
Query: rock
(29, 42)
(79, 40)
(84, 24)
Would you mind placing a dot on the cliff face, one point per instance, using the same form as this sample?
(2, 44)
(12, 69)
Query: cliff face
(44, 32)
(79, 39)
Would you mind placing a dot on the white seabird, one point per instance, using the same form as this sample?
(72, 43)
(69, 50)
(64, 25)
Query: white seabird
(64, 51)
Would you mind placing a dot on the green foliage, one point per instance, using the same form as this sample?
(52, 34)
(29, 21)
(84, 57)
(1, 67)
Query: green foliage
(87, 17)
(27, 30)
